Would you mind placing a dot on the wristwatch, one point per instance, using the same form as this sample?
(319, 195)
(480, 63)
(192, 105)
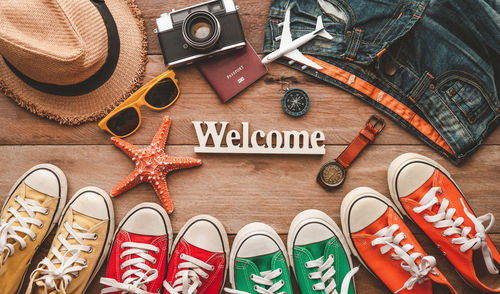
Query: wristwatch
(333, 173)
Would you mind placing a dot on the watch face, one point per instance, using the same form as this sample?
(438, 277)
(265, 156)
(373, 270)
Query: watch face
(295, 102)
(332, 174)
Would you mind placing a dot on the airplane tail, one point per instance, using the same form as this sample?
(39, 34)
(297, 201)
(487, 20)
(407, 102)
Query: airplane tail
(323, 33)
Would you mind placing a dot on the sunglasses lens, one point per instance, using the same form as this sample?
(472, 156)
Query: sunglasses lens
(124, 122)
(162, 94)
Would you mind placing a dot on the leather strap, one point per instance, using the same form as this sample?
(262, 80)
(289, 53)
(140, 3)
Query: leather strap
(366, 136)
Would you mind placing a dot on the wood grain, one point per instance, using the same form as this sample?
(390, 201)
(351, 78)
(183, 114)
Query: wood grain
(335, 112)
(269, 188)
(238, 189)
(365, 282)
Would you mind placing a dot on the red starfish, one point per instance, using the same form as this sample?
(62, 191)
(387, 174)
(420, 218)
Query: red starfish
(152, 165)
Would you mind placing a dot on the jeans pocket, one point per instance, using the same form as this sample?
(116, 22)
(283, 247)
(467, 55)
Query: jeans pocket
(466, 95)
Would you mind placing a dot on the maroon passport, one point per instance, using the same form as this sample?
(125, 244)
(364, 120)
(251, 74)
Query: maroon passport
(231, 73)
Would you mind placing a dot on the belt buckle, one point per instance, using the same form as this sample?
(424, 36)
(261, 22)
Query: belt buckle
(376, 120)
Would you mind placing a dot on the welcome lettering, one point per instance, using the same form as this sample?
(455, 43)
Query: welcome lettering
(286, 142)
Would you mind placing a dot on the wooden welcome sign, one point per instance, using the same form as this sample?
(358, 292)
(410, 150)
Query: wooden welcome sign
(286, 142)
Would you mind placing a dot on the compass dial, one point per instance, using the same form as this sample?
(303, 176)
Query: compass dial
(295, 102)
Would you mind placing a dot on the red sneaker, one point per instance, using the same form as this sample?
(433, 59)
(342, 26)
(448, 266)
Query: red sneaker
(138, 262)
(425, 192)
(198, 262)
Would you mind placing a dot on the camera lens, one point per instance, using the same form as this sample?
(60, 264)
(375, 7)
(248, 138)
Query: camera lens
(201, 30)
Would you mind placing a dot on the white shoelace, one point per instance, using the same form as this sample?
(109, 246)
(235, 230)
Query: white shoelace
(444, 219)
(327, 277)
(418, 272)
(136, 278)
(188, 277)
(265, 279)
(70, 264)
(10, 232)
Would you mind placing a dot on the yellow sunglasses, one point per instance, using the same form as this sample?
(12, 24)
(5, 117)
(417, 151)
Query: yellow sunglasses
(158, 94)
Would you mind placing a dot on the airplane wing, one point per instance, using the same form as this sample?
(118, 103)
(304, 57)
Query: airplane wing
(286, 36)
(300, 58)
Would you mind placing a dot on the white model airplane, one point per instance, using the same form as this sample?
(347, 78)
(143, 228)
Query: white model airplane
(288, 47)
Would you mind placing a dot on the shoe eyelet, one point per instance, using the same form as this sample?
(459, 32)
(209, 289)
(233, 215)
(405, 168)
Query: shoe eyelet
(33, 239)
(154, 261)
(95, 236)
(213, 267)
(255, 288)
(309, 276)
(47, 211)
(90, 250)
(40, 226)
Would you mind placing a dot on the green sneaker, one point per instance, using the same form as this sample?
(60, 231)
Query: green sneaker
(258, 262)
(319, 254)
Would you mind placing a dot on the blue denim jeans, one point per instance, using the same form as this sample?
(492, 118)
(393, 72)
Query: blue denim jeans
(431, 65)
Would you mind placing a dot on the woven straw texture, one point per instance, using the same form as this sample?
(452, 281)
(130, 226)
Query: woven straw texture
(70, 41)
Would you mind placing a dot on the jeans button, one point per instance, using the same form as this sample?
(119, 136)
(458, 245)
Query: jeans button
(451, 92)
(390, 68)
(432, 87)
(348, 34)
(497, 110)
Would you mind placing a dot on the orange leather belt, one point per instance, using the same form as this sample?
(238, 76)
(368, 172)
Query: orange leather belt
(385, 99)
(333, 173)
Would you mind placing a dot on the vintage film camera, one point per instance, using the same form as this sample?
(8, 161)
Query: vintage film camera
(199, 31)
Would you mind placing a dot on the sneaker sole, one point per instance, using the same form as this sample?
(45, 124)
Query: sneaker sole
(313, 215)
(109, 236)
(246, 232)
(223, 235)
(60, 207)
(344, 216)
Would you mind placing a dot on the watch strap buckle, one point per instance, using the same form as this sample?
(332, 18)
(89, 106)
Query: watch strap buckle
(375, 121)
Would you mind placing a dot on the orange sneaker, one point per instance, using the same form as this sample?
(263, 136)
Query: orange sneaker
(382, 242)
(424, 191)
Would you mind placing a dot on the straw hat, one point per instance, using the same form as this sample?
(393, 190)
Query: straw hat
(71, 60)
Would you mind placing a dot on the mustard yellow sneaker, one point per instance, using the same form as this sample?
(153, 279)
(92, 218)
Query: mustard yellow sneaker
(80, 245)
(32, 209)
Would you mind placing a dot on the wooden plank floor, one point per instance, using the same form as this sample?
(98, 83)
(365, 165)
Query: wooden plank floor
(238, 189)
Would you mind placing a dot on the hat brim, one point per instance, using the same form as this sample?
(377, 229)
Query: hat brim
(92, 106)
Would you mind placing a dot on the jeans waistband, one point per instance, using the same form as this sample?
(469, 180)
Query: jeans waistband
(358, 37)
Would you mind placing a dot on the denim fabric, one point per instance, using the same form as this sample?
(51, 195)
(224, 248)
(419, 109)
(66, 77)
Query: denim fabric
(440, 58)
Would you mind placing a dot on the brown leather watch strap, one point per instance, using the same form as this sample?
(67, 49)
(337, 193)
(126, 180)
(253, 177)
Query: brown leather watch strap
(366, 136)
